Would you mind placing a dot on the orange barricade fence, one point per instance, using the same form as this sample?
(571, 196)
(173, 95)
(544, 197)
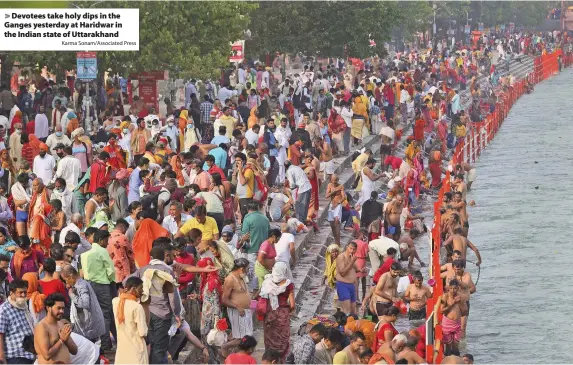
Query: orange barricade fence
(468, 150)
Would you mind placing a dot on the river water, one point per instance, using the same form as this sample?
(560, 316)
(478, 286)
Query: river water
(521, 224)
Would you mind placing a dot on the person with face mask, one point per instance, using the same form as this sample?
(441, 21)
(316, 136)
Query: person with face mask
(139, 139)
(44, 164)
(69, 167)
(171, 131)
(15, 324)
(116, 153)
(56, 138)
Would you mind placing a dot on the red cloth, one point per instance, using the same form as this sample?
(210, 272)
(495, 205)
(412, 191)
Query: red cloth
(53, 286)
(216, 169)
(419, 130)
(28, 154)
(148, 231)
(383, 269)
(393, 161)
(31, 127)
(185, 277)
(380, 335)
(436, 172)
(238, 358)
(421, 346)
(99, 176)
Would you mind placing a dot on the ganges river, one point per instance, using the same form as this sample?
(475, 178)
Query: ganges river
(522, 311)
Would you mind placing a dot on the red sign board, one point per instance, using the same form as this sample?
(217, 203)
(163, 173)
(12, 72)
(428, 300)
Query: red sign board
(148, 93)
(157, 75)
(237, 51)
(86, 55)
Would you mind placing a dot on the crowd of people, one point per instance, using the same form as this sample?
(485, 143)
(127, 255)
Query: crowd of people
(157, 230)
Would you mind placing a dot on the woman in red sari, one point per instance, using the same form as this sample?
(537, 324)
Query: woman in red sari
(116, 154)
(313, 178)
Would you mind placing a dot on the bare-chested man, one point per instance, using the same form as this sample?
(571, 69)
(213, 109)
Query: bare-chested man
(52, 340)
(237, 299)
(451, 303)
(417, 294)
(460, 185)
(466, 288)
(459, 205)
(459, 243)
(447, 268)
(386, 290)
(326, 161)
(408, 251)
(469, 170)
(392, 228)
(346, 278)
(409, 351)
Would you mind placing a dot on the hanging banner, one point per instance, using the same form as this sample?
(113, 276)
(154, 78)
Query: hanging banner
(480, 27)
(467, 29)
(237, 51)
(86, 65)
(148, 91)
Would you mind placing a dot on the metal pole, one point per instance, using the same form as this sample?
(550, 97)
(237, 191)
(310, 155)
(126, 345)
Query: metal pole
(434, 23)
(87, 103)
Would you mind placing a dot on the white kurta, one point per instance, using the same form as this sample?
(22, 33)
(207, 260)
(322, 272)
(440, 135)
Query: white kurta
(131, 347)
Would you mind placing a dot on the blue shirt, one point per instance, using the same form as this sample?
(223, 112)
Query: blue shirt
(134, 184)
(220, 158)
(220, 139)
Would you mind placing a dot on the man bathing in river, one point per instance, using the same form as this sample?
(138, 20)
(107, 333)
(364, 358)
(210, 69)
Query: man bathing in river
(457, 242)
(452, 306)
(417, 294)
(459, 205)
(469, 170)
(385, 293)
(408, 250)
(466, 288)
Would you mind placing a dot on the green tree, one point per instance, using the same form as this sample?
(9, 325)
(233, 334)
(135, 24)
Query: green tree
(331, 28)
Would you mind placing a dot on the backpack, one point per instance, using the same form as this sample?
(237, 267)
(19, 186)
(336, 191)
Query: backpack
(336, 123)
(261, 191)
(150, 203)
(27, 101)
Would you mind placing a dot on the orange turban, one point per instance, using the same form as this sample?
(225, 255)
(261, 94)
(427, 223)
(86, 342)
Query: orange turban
(43, 147)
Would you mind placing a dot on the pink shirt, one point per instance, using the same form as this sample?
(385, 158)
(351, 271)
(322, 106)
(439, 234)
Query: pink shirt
(361, 255)
(269, 250)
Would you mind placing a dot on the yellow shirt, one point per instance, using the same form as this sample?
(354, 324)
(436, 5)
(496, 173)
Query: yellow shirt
(250, 183)
(229, 123)
(209, 228)
(359, 163)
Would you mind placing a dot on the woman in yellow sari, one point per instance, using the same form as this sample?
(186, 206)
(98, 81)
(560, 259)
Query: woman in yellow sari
(359, 119)
(411, 151)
